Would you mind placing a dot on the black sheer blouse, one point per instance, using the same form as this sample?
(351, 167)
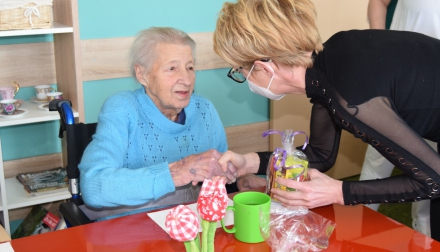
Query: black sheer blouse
(383, 87)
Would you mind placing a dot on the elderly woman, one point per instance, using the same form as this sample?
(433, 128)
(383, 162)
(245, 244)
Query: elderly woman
(382, 86)
(153, 145)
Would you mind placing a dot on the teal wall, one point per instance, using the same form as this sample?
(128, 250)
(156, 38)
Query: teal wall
(110, 19)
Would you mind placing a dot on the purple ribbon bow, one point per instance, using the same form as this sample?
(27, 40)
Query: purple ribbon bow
(282, 152)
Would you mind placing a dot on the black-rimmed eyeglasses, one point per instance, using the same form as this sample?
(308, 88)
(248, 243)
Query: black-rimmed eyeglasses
(237, 76)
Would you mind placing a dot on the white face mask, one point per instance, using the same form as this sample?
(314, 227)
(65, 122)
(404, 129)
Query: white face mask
(263, 91)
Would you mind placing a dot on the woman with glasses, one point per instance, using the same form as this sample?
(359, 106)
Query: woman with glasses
(382, 86)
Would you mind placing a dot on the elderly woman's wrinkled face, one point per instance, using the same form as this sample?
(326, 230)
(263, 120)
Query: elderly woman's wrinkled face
(170, 82)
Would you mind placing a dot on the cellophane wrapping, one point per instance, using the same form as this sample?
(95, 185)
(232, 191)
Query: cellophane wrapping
(286, 162)
(296, 230)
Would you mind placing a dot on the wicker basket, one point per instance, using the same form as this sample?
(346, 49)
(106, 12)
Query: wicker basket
(30, 16)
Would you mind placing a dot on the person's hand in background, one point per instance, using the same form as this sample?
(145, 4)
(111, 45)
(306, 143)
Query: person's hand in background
(250, 181)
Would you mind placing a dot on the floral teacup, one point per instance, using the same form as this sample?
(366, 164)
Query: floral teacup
(55, 95)
(41, 91)
(9, 106)
(9, 92)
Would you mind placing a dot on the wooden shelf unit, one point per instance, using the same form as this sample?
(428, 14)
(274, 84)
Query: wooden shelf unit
(66, 44)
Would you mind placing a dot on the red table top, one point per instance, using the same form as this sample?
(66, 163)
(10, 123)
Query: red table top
(357, 229)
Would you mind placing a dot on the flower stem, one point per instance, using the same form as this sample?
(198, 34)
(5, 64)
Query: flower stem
(193, 246)
(209, 228)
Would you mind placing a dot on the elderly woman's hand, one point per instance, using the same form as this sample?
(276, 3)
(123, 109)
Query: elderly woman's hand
(321, 190)
(198, 167)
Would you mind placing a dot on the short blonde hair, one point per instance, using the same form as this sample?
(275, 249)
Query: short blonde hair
(143, 51)
(281, 30)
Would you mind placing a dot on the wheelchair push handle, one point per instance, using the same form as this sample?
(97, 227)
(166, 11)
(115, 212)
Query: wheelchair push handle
(64, 108)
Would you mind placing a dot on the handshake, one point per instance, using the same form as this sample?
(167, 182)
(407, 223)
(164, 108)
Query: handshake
(211, 164)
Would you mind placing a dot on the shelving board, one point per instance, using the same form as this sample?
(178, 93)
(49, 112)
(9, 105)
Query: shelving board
(56, 28)
(34, 114)
(17, 196)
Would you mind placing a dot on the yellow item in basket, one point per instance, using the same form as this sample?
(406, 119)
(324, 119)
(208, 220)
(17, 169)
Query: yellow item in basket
(298, 171)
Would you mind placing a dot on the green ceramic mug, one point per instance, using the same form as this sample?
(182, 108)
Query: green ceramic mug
(250, 210)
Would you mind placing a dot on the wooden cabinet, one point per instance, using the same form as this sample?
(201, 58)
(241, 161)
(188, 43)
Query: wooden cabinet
(25, 63)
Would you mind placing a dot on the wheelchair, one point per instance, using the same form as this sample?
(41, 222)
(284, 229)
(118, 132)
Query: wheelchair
(78, 136)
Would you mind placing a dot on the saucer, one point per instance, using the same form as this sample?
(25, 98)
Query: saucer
(18, 112)
(44, 106)
(36, 100)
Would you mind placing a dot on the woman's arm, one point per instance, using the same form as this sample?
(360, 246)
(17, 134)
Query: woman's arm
(242, 164)
(377, 12)
(324, 139)
(105, 182)
(321, 190)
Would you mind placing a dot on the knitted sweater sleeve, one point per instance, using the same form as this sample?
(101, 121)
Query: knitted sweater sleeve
(104, 180)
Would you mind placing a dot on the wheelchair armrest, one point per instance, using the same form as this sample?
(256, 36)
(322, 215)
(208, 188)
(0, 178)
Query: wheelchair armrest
(73, 215)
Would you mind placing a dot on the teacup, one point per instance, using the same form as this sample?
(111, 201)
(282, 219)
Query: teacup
(249, 210)
(10, 91)
(55, 95)
(9, 106)
(41, 91)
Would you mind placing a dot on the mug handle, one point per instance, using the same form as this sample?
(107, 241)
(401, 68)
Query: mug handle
(232, 230)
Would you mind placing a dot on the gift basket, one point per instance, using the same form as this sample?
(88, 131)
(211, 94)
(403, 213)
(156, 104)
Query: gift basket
(286, 161)
(25, 14)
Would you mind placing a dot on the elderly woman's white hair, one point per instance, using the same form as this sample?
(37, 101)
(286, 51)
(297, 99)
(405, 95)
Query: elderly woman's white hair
(143, 51)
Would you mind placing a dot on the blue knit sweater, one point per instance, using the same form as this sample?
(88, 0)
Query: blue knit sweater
(126, 163)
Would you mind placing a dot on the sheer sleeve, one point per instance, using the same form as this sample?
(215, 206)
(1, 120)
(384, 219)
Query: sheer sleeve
(322, 149)
(400, 144)
(325, 135)
(389, 134)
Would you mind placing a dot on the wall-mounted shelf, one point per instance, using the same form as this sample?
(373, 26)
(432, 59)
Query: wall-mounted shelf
(18, 197)
(34, 115)
(56, 28)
